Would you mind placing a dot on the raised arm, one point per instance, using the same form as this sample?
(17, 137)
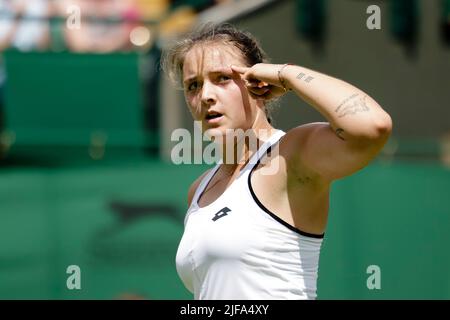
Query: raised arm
(357, 126)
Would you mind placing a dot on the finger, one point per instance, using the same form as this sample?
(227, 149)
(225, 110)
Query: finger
(240, 70)
(266, 96)
(255, 96)
(256, 83)
(259, 91)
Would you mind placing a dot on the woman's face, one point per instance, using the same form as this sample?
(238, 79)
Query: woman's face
(215, 94)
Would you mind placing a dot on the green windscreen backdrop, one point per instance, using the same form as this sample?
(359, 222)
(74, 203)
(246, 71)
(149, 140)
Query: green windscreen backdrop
(70, 99)
(395, 217)
(121, 225)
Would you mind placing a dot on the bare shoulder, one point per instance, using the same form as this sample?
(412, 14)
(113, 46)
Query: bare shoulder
(195, 185)
(299, 135)
(325, 155)
(297, 141)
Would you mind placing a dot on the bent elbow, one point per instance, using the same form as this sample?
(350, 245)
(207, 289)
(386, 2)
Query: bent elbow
(377, 133)
(384, 126)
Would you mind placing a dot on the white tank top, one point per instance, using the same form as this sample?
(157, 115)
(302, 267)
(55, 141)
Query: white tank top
(236, 249)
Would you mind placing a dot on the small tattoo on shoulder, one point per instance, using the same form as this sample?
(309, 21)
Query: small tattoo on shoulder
(339, 132)
(304, 179)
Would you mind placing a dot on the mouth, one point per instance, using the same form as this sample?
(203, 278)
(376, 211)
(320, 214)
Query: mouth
(213, 117)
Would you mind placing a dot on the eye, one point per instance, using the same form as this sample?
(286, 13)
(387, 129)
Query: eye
(223, 78)
(192, 86)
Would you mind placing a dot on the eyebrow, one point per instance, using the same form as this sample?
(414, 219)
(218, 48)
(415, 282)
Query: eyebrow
(223, 70)
(189, 79)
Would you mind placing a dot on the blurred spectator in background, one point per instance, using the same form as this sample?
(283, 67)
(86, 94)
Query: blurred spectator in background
(21, 28)
(111, 25)
(99, 30)
(23, 25)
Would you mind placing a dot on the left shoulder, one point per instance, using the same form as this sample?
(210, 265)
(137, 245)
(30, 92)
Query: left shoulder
(300, 134)
(316, 149)
(294, 144)
(296, 139)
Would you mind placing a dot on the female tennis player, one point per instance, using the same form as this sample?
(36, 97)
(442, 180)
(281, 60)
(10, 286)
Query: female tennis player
(249, 234)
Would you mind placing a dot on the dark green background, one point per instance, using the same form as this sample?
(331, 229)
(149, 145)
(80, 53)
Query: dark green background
(395, 216)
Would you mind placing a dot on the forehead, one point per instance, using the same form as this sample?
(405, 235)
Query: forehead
(209, 58)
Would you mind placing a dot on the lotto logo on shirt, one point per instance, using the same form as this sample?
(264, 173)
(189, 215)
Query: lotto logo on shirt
(220, 214)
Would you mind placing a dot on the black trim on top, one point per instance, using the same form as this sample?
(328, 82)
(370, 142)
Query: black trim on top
(270, 213)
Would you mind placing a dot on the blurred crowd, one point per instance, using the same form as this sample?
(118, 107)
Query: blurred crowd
(93, 26)
(103, 25)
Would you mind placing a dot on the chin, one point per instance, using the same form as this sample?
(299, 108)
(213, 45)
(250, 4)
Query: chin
(215, 132)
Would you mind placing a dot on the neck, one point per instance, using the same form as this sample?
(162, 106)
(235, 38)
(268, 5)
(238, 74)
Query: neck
(239, 146)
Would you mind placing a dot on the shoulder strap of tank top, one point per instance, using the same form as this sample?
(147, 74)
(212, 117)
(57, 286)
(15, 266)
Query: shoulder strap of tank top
(204, 182)
(253, 160)
(263, 149)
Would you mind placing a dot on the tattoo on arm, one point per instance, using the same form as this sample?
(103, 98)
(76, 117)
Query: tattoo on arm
(304, 179)
(348, 107)
(339, 132)
(304, 77)
(346, 100)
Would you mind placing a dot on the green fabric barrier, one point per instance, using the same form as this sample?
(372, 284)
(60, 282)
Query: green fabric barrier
(74, 99)
(121, 225)
(397, 217)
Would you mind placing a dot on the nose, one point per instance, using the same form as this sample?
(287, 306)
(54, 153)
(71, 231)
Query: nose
(208, 96)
